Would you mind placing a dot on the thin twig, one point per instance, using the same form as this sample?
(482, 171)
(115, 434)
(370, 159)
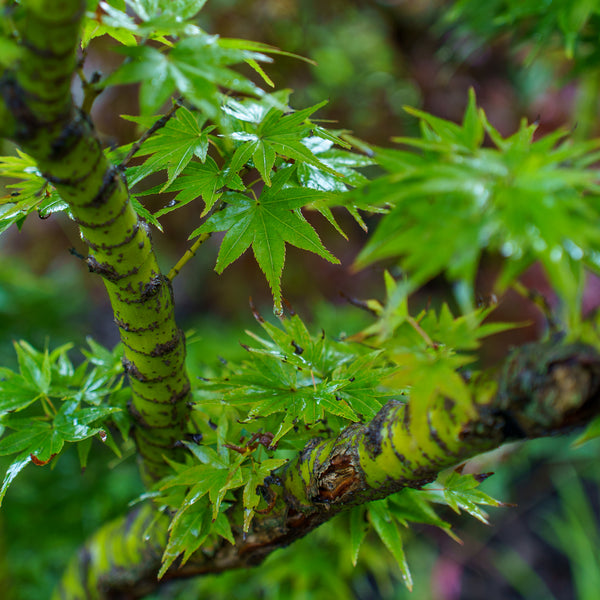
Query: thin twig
(421, 331)
(189, 253)
(157, 125)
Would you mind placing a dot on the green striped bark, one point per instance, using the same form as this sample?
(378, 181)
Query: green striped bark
(543, 390)
(47, 125)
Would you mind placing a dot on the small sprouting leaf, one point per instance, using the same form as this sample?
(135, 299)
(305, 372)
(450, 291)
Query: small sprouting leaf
(460, 492)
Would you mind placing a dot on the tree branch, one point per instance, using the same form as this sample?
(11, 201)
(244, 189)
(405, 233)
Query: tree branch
(67, 150)
(543, 389)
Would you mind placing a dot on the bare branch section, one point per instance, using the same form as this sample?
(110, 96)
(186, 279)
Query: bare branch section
(543, 390)
(39, 114)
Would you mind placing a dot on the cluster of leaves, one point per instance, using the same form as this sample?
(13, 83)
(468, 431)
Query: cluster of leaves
(29, 192)
(295, 381)
(297, 162)
(49, 402)
(295, 386)
(428, 353)
(349, 548)
(387, 516)
(527, 200)
(575, 23)
(300, 163)
(256, 416)
(200, 491)
(181, 59)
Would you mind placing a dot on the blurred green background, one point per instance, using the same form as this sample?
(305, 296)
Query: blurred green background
(372, 58)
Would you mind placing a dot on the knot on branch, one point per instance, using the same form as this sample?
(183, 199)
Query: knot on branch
(549, 388)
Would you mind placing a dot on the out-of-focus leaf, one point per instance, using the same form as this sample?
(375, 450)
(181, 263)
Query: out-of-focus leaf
(387, 529)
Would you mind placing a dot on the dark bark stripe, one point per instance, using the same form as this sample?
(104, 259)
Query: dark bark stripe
(391, 437)
(108, 223)
(435, 437)
(108, 271)
(126, 327)
(110, 182)
(47, 53)
(105, 248)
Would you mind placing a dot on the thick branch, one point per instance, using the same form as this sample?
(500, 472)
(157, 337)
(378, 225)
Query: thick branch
(544, 389)
(66, 148)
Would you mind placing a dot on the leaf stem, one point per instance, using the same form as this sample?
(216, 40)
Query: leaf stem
(159, 124)
(189, 253)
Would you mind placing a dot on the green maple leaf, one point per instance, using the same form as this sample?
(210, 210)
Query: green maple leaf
(306, 378)
(268, 135)
(30, 193)
(266, 224)
(198, 179)
(48, 381)
(197, 67)
(386, 526)
(173, 146)
(155, 20)
(203, 487)
(460, 492)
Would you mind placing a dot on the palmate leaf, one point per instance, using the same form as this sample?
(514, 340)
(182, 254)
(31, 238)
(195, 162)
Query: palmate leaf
(197, 67)
(204, 180)
(460, 492)
(62, 404)
(524, 199)
(303, 377)
(266, 135)
(266, 224)
(30, 193)
(154, 19)
(173, 146)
